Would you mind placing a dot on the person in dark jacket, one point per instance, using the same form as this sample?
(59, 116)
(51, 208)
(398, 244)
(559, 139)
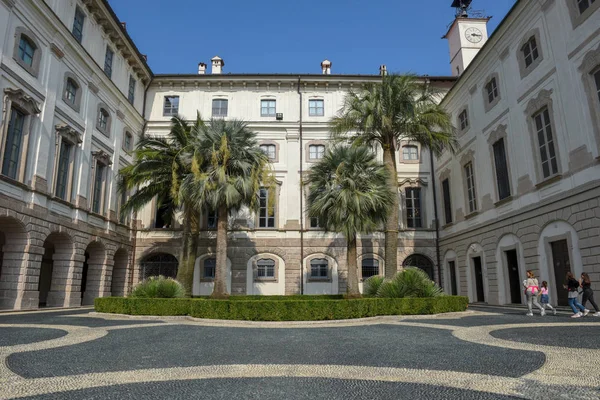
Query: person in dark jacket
(573, 287)
(588, 293)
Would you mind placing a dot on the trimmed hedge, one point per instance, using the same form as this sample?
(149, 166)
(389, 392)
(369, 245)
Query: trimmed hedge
(281, 309)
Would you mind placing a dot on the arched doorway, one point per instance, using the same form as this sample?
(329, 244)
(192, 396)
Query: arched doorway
(419, 261)
(118, 285)
(13, 242)
(91, 274)
(159, 264)
(56, 260)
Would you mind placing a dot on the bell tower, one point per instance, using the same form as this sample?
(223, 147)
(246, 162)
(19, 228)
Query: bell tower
(466, 36)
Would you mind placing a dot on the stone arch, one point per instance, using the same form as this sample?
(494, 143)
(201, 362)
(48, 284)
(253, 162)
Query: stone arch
(510, 269)
(202, 285)
(420, 261)
(158, 263)
(477, 277)
(558, 249)
(451, 275)
(365, 256)
(118, 282)
(321, 285)
(54, 285)
(14, 240)
(93, 272)
(267, 286)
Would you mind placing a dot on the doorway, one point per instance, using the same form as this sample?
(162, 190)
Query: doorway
(512, 263)
(45, 281)
(562, 265)
(453, 285)
(478, 279)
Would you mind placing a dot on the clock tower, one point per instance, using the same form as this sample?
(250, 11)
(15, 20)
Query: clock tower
(466, 36)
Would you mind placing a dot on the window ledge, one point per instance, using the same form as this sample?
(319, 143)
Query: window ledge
(207, 280)
(15, 182)
(411, 161)
(448, 225)
(549, 181)
(471, 215)
(505, 200)
(319, 280)
(270, 280)
(61, 201)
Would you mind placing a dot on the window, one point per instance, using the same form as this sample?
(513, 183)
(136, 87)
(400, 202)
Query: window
(212, 218)
(265, 269)
(410, 153)
(62, 175)
(583, 5)
(78, 24)
(159, 264)
(492, 90)
(210, 266)
(267, 108)
(597, 81)
(266, 216)
(131, 94)
(14, 139)
(463, 120)
(98, 188)
(316, 108)
(502, 177)
(171, 106)
(270, 150)
(470, 178)
(108, 62)
(319, 268)
(316, 151)
(314, 223)
(71, 91)
(413, 208)
(103, 120)
(530, 51)
(447, 204)
(128, 141)
(26, 50)
(219, 108)
(369, 267)
(123, 217)
(543, 128)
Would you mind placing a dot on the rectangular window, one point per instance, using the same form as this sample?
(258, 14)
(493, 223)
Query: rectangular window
(62, 175)
(316, 108)
(14, 139)
(463, 120)
(26, 51)
(265, 268)
(319, 268)
(219, 107)
(108, 62)
(410, 153)
(369, 267)
(530, 52)
(316, 151)
(78, 24)
(210, 267)
(266, 216)
(597, 80)
(131, 94)
(123, 217)
(447, 204)
(502, 177)
(98, 188)
(171, 106)
(543, 128)
(492, 90)
(470, 178)
(270, 150)
(128, 140)
(314, 222)
(267, 108)
(211, 219)
(413, 208)
(584, 5)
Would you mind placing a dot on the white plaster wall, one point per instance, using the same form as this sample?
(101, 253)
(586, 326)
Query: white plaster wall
(206, 288)
(265, 288)
(330, 287)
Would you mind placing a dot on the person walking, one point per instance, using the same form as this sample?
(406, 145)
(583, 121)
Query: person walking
(588, 293)
(531, 291)
(545, 298)
(572, 286)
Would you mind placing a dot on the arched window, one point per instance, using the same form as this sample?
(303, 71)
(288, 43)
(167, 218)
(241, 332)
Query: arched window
(316, 151)
(369, 267)
(159, 264)
(265, 269)
(270, 150)
(410, 153)
(103, 120)
(127, 141)
(530, 51)
(26, 51)
(210, 266)
(419, 261)
(71, 91)
(319, 268)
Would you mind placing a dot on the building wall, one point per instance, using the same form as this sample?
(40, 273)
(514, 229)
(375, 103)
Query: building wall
(539, 210)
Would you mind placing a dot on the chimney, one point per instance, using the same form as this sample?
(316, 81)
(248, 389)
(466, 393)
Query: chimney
(201, 68)
(124, 25)
(326, 67)
(382, 70)
(217, 65)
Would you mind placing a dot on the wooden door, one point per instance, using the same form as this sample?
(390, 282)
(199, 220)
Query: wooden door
(514, 282)
(453, 285)
(562, 265)
(479, 279)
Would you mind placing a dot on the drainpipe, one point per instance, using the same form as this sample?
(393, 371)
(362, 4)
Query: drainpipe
(301, 198)
(437, 221)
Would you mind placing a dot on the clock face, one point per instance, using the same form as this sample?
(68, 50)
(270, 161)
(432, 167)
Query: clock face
(473, 35)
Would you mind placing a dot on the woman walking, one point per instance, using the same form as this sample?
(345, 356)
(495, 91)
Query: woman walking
(532, 289)
(588, 293)
(546, 298)
(572, 286)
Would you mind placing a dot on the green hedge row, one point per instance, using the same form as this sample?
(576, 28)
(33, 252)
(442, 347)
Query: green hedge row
(283, 309)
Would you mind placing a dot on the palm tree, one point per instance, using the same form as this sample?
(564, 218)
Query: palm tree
(228, 170)
(159, 166)
(401, 107)
(348, 193)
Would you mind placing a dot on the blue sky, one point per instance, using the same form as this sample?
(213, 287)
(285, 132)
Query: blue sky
(294, 36)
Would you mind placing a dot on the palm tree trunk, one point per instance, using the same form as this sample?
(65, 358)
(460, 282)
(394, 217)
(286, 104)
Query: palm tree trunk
(352, 290)
(185, 272)
(391, 229)
(220, 288)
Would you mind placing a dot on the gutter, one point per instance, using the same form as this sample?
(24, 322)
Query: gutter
(301, 196)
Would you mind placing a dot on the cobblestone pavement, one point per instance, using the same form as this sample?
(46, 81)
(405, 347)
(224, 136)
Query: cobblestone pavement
(484, 353)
